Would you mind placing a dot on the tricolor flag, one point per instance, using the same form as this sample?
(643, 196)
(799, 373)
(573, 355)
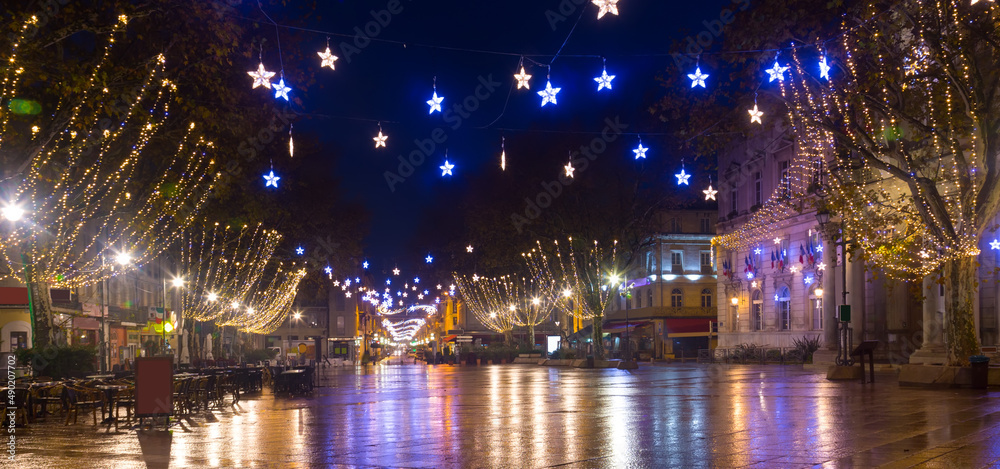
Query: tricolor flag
(802, 254)
(772, 258)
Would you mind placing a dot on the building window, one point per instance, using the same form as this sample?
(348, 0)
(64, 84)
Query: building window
(758, 189)
(454, 321)
(674, 226)
(706, 259)
(638, 299)
(757, 311)
(706, 225)
(675, 298)
(676, 262)
(817, 304)
(706, 298)
(649, 297)
(732, 201)
(785, 181)
(784, 300)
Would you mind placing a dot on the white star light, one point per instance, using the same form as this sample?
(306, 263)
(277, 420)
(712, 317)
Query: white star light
(777, 72)
(777, 240)
(300, 251)
(995, 244)
(327, 58)
(522, 80)
(364, 265)
(755, 114)
(824, 69)
(682, 177)
(569, 169)
(549, 94)
(603, 81)
(821, 266)
(395, 271)
(819, 248)
(697, 78)
(280, 90)
(435, 103)
(468, 248)
(271, 179)
(607, 6)
(640, 151)
(757, 251)
(794, 269)
(380, 139)
(261, 77)
(475, 277)
(710, 195)
(446, 168)
(429, 259)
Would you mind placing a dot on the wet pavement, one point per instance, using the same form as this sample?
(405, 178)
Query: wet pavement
(689, 416)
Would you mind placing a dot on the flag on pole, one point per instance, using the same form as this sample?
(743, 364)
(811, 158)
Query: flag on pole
(802, 254)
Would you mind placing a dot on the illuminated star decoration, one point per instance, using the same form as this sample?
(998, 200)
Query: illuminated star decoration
(777, 240)
(710, 195)
(640, 151)
(549, 94)
(475, 277)
(603, 81)
(468, 248)
(381, 138)
(271, 180)
(819, 248)
(328, 58)
(777, 72)
(395, 271)
(697, 78)
(328, 270)
(364, 265)
(522, 80)
(607, 6)
(821, 266)
(300, 251)
(569, 169)
(435, 101)
(757, 251)
(755, 114)
(682, 177)
(995, 244)
(261, 77)
(824, 69)
(280, 90)
(446, 168)
(429, 259)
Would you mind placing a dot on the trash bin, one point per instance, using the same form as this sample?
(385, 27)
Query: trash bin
(980, 371)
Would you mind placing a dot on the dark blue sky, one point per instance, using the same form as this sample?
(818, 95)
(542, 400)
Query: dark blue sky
(391, 78)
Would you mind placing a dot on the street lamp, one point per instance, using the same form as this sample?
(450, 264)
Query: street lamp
(176, 282)
(12, 212)
(844, 343)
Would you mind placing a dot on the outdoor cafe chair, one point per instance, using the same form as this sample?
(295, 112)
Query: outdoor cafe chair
(124, 398)
(83, 398)
(45, 396)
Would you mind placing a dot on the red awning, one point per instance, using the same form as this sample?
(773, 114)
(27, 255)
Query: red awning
(449, 338)
(688, 325)
(13, 296)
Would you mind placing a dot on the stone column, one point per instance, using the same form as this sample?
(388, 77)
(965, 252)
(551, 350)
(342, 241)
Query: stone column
(932, 350)
(830, 296)
(856, 295)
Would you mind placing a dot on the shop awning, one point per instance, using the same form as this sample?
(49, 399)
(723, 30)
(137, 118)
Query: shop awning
(688, 327)
(449, 338)
(582, 334)
(616, 327)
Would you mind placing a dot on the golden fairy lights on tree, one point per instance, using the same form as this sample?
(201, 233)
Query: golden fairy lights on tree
(98, 193)
(491, 301)
(583, 281)
(533, 303)
(266, 306)
(912, 103)
(221, 265)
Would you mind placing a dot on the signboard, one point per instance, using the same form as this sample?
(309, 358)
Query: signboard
(154, 386)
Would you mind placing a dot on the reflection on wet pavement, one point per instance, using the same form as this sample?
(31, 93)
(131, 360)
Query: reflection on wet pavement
(686, 416)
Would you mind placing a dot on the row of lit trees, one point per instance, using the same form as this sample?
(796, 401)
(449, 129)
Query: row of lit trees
(101, 193)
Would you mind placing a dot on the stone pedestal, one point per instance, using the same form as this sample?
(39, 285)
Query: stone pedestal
(932, 350)
(844, 373)
(825, 357)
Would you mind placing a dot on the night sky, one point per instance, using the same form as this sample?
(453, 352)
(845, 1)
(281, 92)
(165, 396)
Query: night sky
(464, 44)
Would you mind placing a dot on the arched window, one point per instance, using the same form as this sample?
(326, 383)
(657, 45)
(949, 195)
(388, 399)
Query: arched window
(706, 298)
(757, 311)
(675, 298)
(817, 310)
(784, 300)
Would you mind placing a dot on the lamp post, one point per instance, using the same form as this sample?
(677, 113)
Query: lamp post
(177, 282)
(843, 327)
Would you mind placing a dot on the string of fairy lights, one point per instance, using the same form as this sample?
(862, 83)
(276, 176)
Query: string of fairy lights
(501, 303)
(81, 197)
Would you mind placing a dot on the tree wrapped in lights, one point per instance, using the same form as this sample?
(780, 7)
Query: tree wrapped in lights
(533, 303)
(913, 100)
(491, 300)
(265, 308)
(581, 281)
(222, 264)
(101, 193)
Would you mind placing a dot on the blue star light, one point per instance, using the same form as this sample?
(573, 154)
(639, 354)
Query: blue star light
(446, 168)
(271, 179)
(435, 103)
(640, 152)
(364, 265)
(328, 270)
(682, 177)
(603, 81)
(429, 259)
(300, 251)
(549, 94)
(280, 90)
(697, 78)
(824, 69)
(777, 72)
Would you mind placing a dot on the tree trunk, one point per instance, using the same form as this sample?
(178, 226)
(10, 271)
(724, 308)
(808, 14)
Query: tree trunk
(531, 336)
(960, 323)
(41, 304)
(508, 337)
(598, 338)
